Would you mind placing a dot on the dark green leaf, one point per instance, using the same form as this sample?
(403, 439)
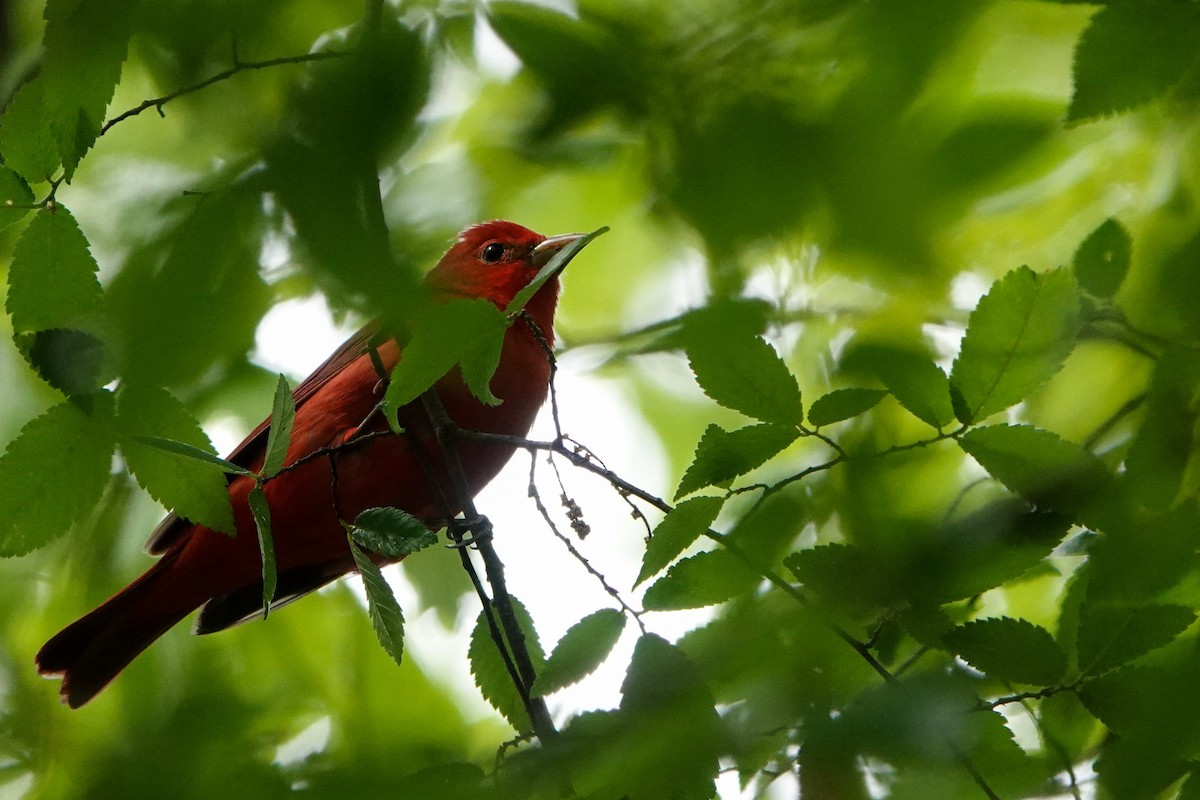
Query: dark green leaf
(25, 137)
(1103, 259)
(1130, 54)
(386, 617)
(13, 192)
(1111, 635)
(1046, 470)
(1163, 447)
(843, 404)
(72, 361)
(551, 268)
(491, 675)
(261, 510)
(283, 414)
(701, 580)
(53, 472)
(1010, 650)
(52, 280)
(1136, 770)
(468, 333)
(582, 648)
(148, 416)
(85, 45)
(745, 374)
(916, 382)
(678, 529)
(1017, 339)
(723, 455)
(391, 532)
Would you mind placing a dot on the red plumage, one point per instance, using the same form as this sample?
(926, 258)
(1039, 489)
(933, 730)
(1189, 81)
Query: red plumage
(205, 569)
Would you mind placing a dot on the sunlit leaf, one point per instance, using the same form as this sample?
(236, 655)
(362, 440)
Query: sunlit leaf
(52, 279)
(1017, 339)
(916, 382)
(701, 580)
(283, 414)
(181, 482)
(53, 472)
(492, 677)
(581, 649)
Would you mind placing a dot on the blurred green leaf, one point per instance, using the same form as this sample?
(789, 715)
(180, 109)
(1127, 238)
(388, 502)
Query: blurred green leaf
(283, 415)
(462, 332)
(1102, 259)
(491, 675)
(1016, 340)
(723, 455)
(1010, 650)
(582, 648)
(391, 532)
(701, 580)
(52, 279)
(683, 525)
(1046, 470)
(72, 361)
(1111, 635)
(386, 617)
(746, 375)
(261, 510)
(183, 484)
(841, 404)
(1157, 37)
(1162, 448)
(53, 472)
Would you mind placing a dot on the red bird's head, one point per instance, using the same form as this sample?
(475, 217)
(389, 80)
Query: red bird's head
(495, 260)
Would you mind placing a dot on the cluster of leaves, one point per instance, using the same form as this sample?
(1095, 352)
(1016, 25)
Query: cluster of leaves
(901, 569)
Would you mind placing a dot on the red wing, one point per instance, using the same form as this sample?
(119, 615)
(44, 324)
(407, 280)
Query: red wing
(171, 529)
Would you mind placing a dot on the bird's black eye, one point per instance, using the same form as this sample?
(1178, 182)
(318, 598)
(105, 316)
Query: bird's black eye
(492, 253)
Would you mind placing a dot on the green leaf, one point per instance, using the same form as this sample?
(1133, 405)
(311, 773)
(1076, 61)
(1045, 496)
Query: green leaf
(85, 44)
(1111, 635)
(197, 454)
(14, 191)
(581, 649)
(1017, 339)
(745, 374)
(491, 675)
(53, 472)
(1130, 54)
(723, 455)
(73, 361)
(261, 510)
(468, 333)
(843, 404)
(1163, 446)
(1046, 470)
(679, 528)
(283, 415)
(916, 382)
(148, 416)
(391, 532)
(1010, 650)
(551, 268)
(25, 138)
(1102, 259)
(701, 580)
(386, 617)
(52, 280)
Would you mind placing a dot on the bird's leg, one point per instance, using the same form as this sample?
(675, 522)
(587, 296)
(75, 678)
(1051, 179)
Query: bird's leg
(470, 531)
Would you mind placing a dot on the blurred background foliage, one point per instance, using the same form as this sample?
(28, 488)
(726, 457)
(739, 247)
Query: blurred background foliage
(846, 178)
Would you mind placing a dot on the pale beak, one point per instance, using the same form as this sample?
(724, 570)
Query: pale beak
(548, 247)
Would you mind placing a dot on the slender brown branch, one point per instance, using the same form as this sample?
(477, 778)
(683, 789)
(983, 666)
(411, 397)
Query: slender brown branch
(157, 103)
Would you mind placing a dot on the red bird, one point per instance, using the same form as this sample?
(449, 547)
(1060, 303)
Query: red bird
(221, 575)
